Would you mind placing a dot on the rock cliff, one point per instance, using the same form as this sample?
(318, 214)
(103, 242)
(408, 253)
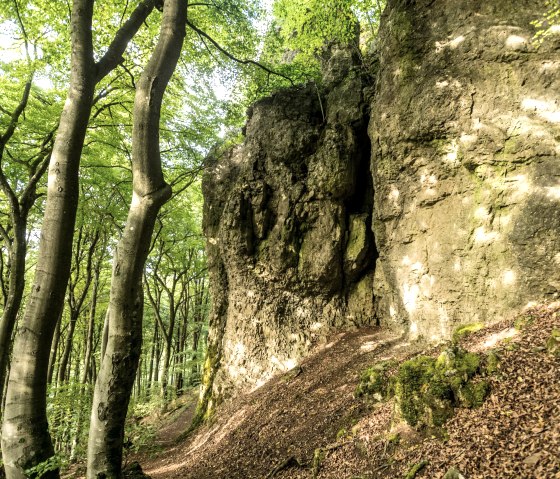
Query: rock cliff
(420, 196)
(466, 163)
(288, 219)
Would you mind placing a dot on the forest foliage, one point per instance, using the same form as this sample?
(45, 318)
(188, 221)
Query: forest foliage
(235, 51)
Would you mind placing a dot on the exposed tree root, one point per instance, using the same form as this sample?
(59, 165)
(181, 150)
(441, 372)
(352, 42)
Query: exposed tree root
(319, 455)
(290, 462)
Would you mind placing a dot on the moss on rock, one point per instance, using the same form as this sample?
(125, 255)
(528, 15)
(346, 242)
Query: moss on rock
(375, 382)
(427, 389)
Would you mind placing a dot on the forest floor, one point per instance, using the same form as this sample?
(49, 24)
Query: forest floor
(278, 429)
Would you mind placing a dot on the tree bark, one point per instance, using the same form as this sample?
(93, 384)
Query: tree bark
(19, 206)
(150, 192)
(25, 438)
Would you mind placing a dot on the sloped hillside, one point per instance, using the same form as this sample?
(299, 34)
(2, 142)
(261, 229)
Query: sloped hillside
(309, 423)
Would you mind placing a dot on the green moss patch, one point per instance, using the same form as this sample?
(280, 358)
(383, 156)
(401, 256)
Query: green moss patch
(428, 389)
(375, 382)
(463, 331)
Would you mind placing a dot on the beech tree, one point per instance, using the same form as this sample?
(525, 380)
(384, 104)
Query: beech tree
(26, 441)
(15, 232)
(150, 192)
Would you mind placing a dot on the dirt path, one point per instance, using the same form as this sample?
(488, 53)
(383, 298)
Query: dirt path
(291, 416)
(275, 430)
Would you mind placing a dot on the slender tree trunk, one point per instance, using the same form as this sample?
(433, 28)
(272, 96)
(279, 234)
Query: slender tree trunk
(152, 355)
(157, 360)
(165, 368)
(91, 325)
(150, 192)
(25, 438)
(15, 292)
(19, 207)
(168, 342)
(26, 441)
(63, 370)
(139, 378)
(54, 350)
(76, 301)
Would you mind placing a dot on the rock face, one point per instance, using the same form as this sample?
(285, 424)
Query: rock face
(466, 163)
(458, 209)
(288, 218)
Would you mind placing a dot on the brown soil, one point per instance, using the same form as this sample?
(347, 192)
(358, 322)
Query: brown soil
(275, 430)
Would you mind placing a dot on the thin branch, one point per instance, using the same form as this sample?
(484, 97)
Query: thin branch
(17, 112)
(10, 130)
(202, 33)
(130, 74)
(23, 31)
(7, 239)
(39, 166)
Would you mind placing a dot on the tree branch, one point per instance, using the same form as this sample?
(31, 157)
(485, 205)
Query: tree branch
(202, 33)
(113, 55)
(10, 130)
(28, 195)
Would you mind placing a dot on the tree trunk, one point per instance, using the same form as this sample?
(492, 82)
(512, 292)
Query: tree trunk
(91, 325)
(63, 370)
(165, 368)
(19, 207)
(168, 342)
(15, 293)
(54, 350)
(25, 438)
(152, 355)
(150, 192)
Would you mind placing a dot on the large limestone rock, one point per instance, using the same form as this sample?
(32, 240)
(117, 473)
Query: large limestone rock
(464, 137)
(466, 163)
(289, 228)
